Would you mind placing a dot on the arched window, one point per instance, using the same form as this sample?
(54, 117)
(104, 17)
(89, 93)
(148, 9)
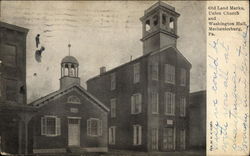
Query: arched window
(164, 19)
(73, 99)
(155, 18)
(148, 27)
(171, 23)
(66, 70)
(72, 72)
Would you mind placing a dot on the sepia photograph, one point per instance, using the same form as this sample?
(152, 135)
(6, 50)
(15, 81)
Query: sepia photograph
(103, 78)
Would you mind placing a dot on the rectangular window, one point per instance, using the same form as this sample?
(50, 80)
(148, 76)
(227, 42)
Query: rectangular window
(183, 76)
(113, 81)
(169, 103)
(11, 90)
(155, 71)
(154, 138)
(183, 106)
(137, 135)
(10, 53)
(136, 72)
(112, 135)
(183, 139)
(169, 74)
(154, 102)
(50, 126)
(136, 103)
(113, 108)
(94, 127)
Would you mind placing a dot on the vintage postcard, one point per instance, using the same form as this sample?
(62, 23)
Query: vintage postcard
(124, 78)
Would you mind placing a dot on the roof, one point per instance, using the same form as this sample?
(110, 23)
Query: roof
(45, 100)
(13, 27)
(70, 59)
(165, 49)
(15, 107)
(198, 93)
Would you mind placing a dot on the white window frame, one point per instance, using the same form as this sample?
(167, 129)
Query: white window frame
(169, 73)
(169, 98)
(44, 126)
(155, 71)
(112, 81)
(183, 77)
(155, 102)
(183, 139)
(136, 69)
(137, 135)
(113, 108)
(112, 134)
(99, 127)
(183, 102)
(136, 102)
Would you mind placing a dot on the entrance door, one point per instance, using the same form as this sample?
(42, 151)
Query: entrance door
(168, 139)
(74, 132)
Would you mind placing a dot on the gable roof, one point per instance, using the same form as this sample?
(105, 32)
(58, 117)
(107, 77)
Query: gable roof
(46, 99)
(13, 27)
(164, 49)
(171, 48)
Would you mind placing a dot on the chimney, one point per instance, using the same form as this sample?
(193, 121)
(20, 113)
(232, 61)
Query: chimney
(102, 70)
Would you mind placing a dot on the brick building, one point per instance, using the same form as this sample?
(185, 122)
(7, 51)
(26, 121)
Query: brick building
(148, 97)
(14, 113)
(69, 119)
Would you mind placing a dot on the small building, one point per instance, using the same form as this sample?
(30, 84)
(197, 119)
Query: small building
(197, 120)
(148, 97)
(69, 119)
(14, 112)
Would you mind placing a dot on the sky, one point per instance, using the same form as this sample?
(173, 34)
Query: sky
(101, 33)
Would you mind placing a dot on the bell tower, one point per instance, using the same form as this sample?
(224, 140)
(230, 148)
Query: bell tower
(69, 71)
(159, 27)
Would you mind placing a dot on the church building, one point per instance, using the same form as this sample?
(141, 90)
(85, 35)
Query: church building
(69, 119)
(148, 97)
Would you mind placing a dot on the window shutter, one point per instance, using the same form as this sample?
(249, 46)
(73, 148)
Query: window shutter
(139, 103)
(165, 100)
(58, 126)
(134, 135)
(132, 105)
(166, 73)
(184, 107)
(110, 135)
(99, 127)
(89, 127)
(173, 103)
(43, 126)
(173, 74)
(114, 131)
(140, 135)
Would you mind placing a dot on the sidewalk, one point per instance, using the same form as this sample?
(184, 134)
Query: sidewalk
(135, 153)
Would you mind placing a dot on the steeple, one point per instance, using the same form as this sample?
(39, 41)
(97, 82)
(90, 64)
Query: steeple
(69, 71)
(159, 27)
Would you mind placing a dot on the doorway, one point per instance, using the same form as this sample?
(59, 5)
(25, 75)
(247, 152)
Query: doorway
(73, 132)
(168, 139)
